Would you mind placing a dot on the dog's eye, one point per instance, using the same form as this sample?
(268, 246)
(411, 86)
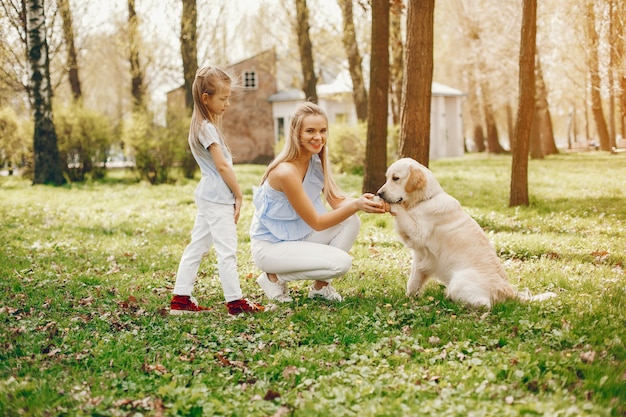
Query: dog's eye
(394, 178)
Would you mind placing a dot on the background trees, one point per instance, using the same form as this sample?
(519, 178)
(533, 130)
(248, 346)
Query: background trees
(100, 50)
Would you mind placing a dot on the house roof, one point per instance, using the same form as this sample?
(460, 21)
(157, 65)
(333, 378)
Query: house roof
(443, 90)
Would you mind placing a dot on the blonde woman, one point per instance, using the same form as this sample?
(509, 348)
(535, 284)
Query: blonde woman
(293, 235)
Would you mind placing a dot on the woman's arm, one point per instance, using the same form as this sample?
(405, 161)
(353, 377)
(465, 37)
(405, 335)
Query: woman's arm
(228, 175)
(286, 178)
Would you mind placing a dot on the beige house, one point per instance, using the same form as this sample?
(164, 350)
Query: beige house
(259, 114)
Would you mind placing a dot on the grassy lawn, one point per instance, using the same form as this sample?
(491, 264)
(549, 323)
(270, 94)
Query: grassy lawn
(86, 273)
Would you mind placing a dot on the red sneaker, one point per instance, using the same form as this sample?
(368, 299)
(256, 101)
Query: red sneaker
(243, 306)
(185, 304)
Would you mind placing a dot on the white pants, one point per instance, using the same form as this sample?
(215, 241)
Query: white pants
(322, 256)
(214, 225)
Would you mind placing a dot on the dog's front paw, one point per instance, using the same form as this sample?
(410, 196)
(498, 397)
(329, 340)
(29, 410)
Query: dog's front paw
(414, 284)
(412, 289)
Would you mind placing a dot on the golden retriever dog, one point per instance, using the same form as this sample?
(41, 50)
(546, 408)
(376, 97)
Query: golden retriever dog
(446, 243)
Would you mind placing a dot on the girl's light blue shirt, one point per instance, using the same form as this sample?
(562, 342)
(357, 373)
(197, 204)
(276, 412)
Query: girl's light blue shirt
(211, 187)
(275, 219)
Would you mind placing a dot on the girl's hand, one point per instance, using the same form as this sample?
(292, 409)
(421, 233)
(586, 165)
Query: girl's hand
(237, 208)
(369, 203)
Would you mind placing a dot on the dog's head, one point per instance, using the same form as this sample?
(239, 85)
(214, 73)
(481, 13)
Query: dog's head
(408, 183)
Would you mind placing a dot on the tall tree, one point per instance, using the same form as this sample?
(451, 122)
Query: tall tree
(378, 102)
(525, 110)
(309, 82)
(359, 94)
(72, 60)
(594, 77)
(47, 162)
(189, 54)
(619, 16)
(396, 70)
(542, 122)
(418, 79)
(136, 70)
(189, 47)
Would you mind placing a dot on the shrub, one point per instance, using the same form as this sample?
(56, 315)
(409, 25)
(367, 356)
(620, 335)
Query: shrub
(347, 146)
(84, 139)
(152, 147)
(16, 141)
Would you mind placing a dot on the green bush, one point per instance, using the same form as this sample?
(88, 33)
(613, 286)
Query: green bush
(84, 138)
(178, 122)
(16, 141)
(347, 147)
(154, 148)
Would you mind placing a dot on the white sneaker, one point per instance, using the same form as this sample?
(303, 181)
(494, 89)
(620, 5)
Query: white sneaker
(276, 291)
(327, 292)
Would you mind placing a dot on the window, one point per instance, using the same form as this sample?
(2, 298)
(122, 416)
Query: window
(250, 80)
(280, 127)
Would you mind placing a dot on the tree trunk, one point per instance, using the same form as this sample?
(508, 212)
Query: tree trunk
(72, 61)
(309, 81)
(418, 80)
(493, 140)
(47, 162)
(536, 150)
(509, 124)
(359, 93)
(620, 62)
(189, 54)
(473, 102)
(137, 82)
(543, 119)
(189, 48)
(397, 60)
(519, 169)
(594, 73)
(378, 104)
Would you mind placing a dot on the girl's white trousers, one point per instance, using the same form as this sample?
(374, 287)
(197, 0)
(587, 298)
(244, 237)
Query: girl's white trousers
(214, 226)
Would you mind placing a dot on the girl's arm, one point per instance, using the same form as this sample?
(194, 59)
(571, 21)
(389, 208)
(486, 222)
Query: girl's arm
(228, 175)
(286, 178)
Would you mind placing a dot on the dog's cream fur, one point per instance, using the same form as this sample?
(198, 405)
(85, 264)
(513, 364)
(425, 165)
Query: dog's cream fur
(446, 243)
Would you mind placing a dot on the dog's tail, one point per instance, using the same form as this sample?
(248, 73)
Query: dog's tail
(526, 295)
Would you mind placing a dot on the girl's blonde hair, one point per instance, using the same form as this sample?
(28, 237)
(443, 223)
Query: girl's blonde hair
(209, 80)
(292, 149)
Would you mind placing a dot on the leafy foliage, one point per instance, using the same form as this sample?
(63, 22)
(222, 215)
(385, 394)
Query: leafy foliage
(16, 140)
(84, 138)
(154, 148)
(87, 273)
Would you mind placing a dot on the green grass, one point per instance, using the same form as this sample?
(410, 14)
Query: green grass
(87, 271)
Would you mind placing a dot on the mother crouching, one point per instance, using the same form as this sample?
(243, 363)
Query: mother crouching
(293, 235)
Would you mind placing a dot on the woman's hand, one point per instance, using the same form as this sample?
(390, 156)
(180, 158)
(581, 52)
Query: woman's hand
(238, 201)
(369, 203)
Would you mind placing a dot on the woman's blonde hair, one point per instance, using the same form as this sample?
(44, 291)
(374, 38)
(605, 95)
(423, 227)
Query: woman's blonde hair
(293, 149)
(209, 80)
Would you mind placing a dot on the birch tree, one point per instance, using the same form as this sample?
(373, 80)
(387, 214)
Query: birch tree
(47, 162)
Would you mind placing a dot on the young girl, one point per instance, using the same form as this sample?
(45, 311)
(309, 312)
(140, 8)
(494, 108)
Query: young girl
(218, 199)
(293, 235)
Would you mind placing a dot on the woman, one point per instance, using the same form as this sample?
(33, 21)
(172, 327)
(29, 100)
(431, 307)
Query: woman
(293, 235)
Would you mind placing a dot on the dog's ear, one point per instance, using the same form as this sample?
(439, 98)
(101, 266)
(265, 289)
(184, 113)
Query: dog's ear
(416, 180)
